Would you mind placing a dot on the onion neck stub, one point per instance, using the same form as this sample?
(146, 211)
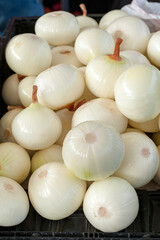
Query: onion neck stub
(115, 56)
(83, 8)
(34, 94)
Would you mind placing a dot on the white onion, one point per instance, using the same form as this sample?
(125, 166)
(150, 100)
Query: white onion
(110, 16)
(10, 90)
(25, 88)
(5, 125)
(36, 127)
(14, 161)
(84, 20)
(101, 109)
(103, 71)
(14, 203)
(137, 92)
(149, 126)
(51, 154)
(93, 42)
(55, 192)
(28, 54)
(66, 119)
(92, 150)
(57, 28)
(134, 32)
(59, 86)
(111, 205)
(134, 56)
(65, 54)
(141, 159)
(153, 49)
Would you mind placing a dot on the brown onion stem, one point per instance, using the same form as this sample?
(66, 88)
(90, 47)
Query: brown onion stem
(34, 94)
(83, 8)
(115, 55)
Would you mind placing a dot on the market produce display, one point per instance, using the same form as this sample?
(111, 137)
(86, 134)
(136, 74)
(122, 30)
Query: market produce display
(82, 128)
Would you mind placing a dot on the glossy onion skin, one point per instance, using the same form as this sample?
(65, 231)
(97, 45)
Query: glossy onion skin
(111, 205)
(57, 28)
(137, 92)
(28, 54)
(93, 150)
(55, 192)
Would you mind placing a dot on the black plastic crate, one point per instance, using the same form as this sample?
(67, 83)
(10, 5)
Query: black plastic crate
(76, 227)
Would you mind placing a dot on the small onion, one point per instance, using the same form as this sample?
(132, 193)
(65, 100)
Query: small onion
(14, 161)
(57, 27)
(137, 92)
(14, 203)
(110, 16)
(5, 125)
(51, 154)
(55, 192)
(36, 127)
(92, 150)
(111, 205)
(28, 54)
(93, 42)
(153, 49)
(59, 86)
(84, 20)
(10, 91)
(101, 109)
(141, 159)
(103, 71)
(65, 54)
(25, 88)
(134, 32)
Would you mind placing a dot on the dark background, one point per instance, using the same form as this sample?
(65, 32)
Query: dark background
(94, 6)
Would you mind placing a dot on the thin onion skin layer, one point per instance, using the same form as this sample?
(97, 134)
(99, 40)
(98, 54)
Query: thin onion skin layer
(92, 150)
(137, 92)
(55, 192)
(111, 205)
(141, 159)
(14, 203)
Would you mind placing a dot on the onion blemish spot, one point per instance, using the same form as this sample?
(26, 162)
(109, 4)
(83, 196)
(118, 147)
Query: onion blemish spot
(43, 174)
(90, 137)
(145, 152)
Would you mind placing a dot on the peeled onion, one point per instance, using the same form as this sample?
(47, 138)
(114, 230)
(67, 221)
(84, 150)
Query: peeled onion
(55, 192)
(153, 49)
(134, 32)
(59, 86)
(141, 159)
(93, 42)
(111, 205)
(137, 92)
(57, 27)
(14, 161)
(28, 54)
(101, 109)
(25, 88)
(10, 90)
(14, 203)
(92, 150)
